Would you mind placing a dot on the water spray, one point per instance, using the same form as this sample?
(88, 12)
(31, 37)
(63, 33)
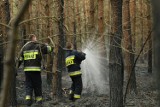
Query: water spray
(94, 68)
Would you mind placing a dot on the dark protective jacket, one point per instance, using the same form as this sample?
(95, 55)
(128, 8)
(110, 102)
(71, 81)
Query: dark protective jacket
(73, 60)
(32, 53)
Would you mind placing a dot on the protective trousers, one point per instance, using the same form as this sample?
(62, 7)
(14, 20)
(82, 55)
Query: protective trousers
(33, 83)
(76, 87)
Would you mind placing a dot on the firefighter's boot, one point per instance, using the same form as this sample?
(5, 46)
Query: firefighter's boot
(28, 100)
(71, 95)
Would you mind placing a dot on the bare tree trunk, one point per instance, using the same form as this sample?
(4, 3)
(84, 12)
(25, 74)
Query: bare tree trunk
(1, 46)
(55, 71)
(100, 18)
(57, 89)
(128, 56)
(115, 57)
(8, 65)
(91, 16)
(133, 24)
(149, 28)
(141, 28)
(84, 20)
(25, 28)
(62, 43)
(156, 45)
(49, 56)
(101, 26)
(6, 10)
(5, 15)
(1, 61)
(74, 25)
(78, 23)
(69, 19)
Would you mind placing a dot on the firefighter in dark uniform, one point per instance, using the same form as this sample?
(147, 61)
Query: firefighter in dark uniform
(31, 55)
(73, 60)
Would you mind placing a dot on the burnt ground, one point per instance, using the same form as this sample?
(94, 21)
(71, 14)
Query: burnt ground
(145, 98)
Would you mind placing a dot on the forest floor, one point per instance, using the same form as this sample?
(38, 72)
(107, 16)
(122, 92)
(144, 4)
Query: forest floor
(145, 97)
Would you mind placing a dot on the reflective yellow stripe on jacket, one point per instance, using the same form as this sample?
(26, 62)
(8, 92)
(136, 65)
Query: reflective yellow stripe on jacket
(75, 73)
(32, 69)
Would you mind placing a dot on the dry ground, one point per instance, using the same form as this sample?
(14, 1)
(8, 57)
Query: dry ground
(145, 98)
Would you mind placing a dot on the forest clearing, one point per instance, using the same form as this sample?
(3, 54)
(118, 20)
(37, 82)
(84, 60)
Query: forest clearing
(88, 53)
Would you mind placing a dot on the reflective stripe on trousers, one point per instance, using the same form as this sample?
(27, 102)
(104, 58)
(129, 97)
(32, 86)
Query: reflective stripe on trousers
(39, 98)
(28, 97)
(75, 73)
(32, 68)
(77, 96)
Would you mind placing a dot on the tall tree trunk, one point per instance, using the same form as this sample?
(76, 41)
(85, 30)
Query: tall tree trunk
(100, 18)
(57, 89)
(101, 26)
(7, 17)
(25, 28)
(91, 16)
(108, 21)
(8, 66)
(60, 64)
(128, 53)
(1, 46)
(74, 25)
(149, 28)
(115, 57)
(84, 20)
(7, 11)
(133, 24)
(78, 8)
(141, 28)
(69, 19)
(156, 45)
(48, 56)
(1, 60)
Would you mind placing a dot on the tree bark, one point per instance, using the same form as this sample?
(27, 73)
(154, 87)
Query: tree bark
(78, 20)
(7, 17)
(57, 81)
(141, 28)
(8, 65)
(84, 20)
(74, 25)
(128, 53)
(1, 61)
(115, 57)
(133, 25)
(91, 16)
(149, 28)
(101, 26)
(48, 56)
(156, 45)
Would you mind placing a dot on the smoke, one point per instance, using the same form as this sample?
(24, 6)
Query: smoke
(94, 68)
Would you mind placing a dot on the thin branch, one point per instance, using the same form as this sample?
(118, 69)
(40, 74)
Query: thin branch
(135, 65)
(7, 26)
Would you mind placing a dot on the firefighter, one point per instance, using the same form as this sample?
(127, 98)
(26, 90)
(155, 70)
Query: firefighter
(73, 60)
(31, 55)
